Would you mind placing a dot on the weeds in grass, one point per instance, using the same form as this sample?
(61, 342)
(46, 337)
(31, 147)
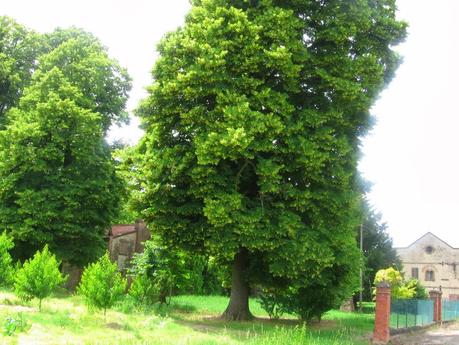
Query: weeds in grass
(15, 324)
(7, 301)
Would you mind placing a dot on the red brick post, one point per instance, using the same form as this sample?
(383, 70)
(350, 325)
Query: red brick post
(435, 295)
(381, 333)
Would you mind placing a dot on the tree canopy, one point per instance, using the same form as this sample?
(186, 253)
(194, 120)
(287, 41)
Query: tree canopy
(58, 183)
(19, 49)
(85, 63)
(252, 131)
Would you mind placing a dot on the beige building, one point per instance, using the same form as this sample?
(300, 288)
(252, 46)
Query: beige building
(434, 263)
(126, 239)
(123, 241)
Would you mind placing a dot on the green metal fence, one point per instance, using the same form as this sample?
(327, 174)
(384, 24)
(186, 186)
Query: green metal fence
(450, 310)
(406, 313)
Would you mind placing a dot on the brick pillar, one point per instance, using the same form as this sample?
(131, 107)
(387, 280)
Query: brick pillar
(381, 334)
(435, 295)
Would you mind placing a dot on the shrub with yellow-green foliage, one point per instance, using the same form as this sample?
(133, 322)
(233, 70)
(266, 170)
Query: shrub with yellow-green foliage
(399, 288)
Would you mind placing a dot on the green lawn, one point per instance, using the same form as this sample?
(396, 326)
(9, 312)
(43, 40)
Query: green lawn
(189, 320)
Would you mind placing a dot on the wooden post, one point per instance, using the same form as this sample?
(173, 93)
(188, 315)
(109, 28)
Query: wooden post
(435, 295)
(381, 333)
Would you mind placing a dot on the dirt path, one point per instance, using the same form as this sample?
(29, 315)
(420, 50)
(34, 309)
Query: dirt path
(447, 334)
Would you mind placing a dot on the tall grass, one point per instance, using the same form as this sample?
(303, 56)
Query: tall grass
(301, 336)
(188, 320)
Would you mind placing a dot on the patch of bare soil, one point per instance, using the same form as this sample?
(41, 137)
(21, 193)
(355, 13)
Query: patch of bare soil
(114, 325)
(447, 334)
(17, 308)
(37, 335)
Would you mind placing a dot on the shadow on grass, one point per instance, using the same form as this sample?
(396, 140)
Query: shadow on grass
(61, 293)
(263, 329)
(237, 330)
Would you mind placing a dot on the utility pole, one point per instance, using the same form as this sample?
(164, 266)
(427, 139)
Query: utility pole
(361, 269)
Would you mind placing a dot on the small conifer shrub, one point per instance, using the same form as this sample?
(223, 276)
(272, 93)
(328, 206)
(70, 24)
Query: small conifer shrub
(38, 277)
(102, 284)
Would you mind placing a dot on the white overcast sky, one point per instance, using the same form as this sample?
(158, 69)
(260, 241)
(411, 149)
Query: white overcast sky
(411, 156)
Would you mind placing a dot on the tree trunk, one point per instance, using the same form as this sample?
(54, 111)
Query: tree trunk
(238, 307)
(162, 296)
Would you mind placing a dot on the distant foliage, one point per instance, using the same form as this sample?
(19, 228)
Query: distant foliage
(378, 252)
(126, 162)
(420, 291)
(38, 277)
(6, 262)
(160, 272)
(102, 284)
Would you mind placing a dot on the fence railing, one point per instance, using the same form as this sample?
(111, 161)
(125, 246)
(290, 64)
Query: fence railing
(406, 313)
(450, 310)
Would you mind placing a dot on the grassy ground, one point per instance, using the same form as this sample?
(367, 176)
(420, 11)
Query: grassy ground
(189, 320)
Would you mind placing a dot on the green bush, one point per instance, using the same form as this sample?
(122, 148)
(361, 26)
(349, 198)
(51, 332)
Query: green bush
(6, 262)
(155, 270)
(271, 304)
(307, 303)
(306, 298)
(160, 272)
(166, 272)
(102, 284)
(38, 277)
(143, 290)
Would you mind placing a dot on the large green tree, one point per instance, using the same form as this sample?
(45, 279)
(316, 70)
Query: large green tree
(85, 63)
(19, 49)
(252, 132)
(58, 181)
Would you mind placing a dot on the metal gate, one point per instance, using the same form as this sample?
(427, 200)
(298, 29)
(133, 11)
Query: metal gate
(406, 313)
(450, 310)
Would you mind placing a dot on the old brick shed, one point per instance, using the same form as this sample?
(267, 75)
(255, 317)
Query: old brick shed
(126, 239)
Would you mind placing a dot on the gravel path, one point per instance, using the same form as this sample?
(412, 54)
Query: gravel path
(447, 334)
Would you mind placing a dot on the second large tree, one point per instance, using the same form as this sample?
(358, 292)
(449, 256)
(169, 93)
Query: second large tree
(57, 178)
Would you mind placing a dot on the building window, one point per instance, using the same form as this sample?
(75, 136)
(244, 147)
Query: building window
(430, 276)
(429, 249)
(415, 273)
